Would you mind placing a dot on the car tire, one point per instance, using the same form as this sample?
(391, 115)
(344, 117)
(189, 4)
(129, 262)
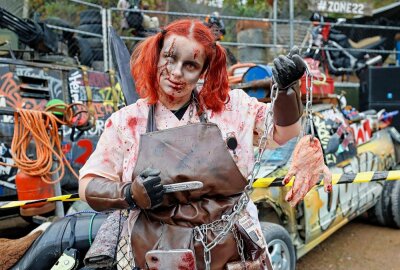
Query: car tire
(91, 16)
(98, 55)
(386, 211)
(62, 23)
(95, 43)
(280, 246)
(378, 213)
(395, 204)
(81, 48)
(90, 28)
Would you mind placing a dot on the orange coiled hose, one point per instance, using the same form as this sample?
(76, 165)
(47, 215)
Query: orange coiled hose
(42, 128)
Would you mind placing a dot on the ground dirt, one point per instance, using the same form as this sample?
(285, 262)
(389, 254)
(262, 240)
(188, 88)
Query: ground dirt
(356, 246)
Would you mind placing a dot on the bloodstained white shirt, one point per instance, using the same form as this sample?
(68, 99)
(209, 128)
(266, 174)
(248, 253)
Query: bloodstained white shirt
(117, 149)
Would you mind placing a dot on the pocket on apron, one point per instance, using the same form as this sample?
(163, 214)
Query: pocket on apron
(174, 237)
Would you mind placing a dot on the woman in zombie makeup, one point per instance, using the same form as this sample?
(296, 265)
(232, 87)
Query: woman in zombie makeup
(179, 132)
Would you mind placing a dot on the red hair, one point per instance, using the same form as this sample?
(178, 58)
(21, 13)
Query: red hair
(144, 62)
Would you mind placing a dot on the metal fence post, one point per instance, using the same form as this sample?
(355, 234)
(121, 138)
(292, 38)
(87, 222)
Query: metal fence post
(109, 23)
(291, 19)
(275, 16)
(105, 37)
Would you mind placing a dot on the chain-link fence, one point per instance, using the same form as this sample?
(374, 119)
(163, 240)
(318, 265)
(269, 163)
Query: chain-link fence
(70, 32)
(75, 32)
(247, 39)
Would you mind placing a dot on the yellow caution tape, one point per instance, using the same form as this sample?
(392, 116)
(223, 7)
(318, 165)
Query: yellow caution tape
(64, 198)
(344, 178)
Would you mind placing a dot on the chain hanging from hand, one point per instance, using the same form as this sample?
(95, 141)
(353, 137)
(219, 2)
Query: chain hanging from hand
(201, 231)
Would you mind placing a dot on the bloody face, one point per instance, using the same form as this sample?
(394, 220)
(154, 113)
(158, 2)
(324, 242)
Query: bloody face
(180, 66)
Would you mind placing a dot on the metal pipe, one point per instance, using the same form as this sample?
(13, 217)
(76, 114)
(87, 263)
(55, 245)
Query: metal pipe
(185, 14)
(291, 22)
(109, 24)
(57, 190)
(275, 24)
(104, 37)
(87, 4)
(74, 31)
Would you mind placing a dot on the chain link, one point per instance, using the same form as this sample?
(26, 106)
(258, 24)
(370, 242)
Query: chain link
(244, 198)
(191, 109)
(308, 123)
(240, 246)
(200, 232)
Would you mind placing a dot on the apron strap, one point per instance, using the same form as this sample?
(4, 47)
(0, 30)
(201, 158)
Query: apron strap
(203, 116)
(151, 120)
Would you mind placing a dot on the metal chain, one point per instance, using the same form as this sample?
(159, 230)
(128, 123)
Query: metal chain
(245, 197)
(240, 246)
(191, 108)
(308, 123)
(230, 219)
(196, 103)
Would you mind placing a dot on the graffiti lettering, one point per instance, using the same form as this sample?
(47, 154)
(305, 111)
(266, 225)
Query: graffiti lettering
(9, 89)
(75, 82)
(102, 111)
(332, 114)
(94, 132)
(55, 86)
(6, 172)
(362, 131)
(350, 199)
(88, 146)
(5, 118)
(327, 212)
(98, 79)
(78, 152)
(324, 136)
(108, 95)
(98, 129)
(30, 72)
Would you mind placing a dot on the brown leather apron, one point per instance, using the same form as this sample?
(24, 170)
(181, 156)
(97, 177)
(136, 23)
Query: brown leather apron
(194, 152)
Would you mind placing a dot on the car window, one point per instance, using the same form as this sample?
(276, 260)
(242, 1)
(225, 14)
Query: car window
(279, 156)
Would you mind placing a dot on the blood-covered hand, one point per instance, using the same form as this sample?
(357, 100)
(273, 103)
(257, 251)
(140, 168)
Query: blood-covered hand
(307, 167)
(147, 190)
(288, 69)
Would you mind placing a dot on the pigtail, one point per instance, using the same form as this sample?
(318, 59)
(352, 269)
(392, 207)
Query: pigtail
(143, 64)
(216, 88)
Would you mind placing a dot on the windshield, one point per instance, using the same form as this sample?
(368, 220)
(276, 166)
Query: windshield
(280, 156)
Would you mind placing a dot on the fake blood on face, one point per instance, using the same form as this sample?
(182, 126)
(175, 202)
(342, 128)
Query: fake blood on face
(164, 68)
(196, 53)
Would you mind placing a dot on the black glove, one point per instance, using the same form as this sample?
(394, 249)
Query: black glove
(147, 190)
(288, 69)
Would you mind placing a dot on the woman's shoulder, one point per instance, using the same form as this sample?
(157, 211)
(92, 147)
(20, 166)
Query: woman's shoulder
(238, 97)
(137, 109)
(237, 93)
